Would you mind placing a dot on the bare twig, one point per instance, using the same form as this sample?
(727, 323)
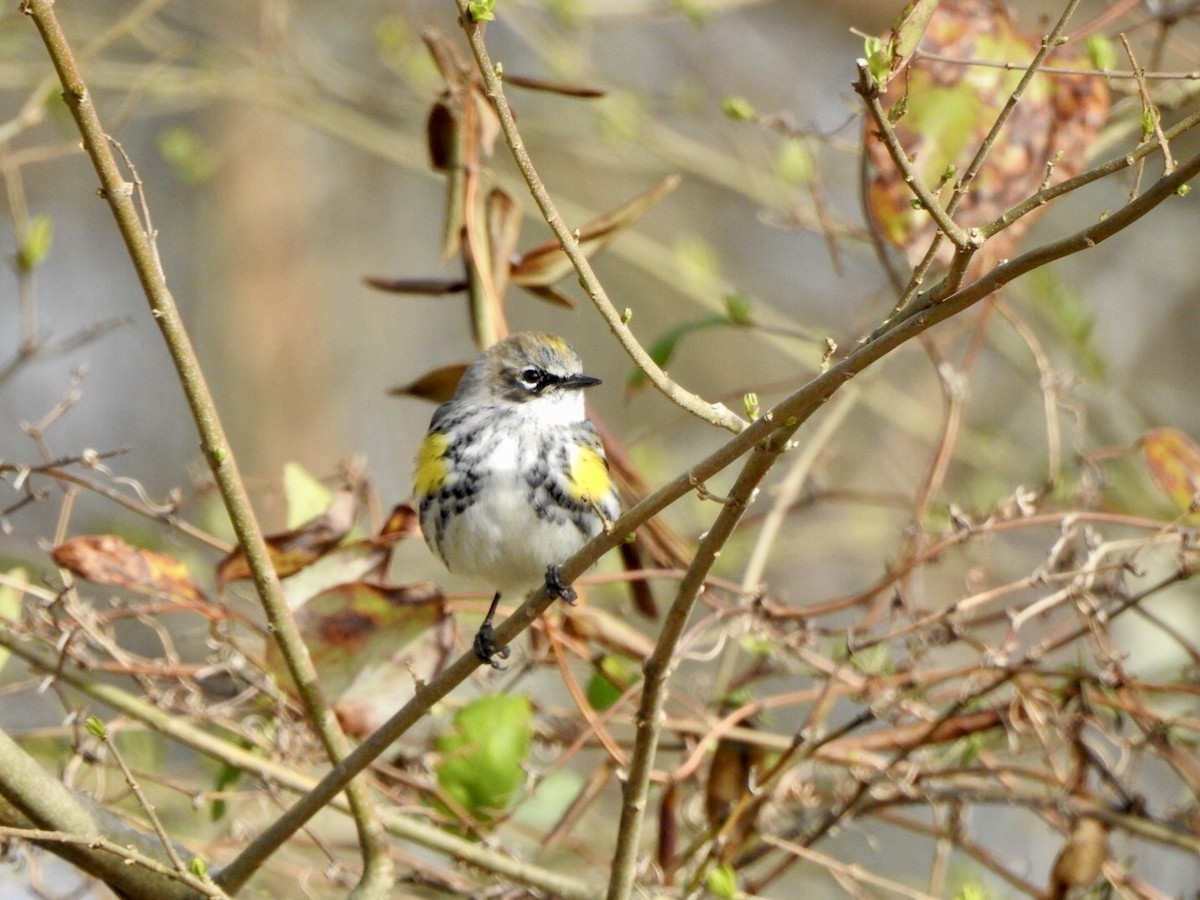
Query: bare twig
(715, 414)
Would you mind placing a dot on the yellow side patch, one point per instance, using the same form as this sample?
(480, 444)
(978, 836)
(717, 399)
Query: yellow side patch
(589, 478)
(431, 465)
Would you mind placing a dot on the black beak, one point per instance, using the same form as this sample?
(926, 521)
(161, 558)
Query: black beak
(579, 381)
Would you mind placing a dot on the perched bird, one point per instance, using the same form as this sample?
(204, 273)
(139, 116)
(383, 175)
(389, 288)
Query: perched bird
(511, 479)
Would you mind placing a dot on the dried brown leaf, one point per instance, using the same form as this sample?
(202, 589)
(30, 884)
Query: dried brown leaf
(110, 560)
(437, 385)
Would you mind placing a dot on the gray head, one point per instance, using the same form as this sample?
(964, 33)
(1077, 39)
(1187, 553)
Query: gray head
(530, 368)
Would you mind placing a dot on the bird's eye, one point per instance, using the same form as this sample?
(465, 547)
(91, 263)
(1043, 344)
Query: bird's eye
(532, 379)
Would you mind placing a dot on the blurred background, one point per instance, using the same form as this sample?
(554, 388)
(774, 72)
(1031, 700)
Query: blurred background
(282, 150)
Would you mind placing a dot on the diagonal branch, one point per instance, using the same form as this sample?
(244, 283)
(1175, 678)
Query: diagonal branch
(787, 416)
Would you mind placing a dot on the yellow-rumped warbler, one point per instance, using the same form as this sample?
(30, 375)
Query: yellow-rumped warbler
(512, 479)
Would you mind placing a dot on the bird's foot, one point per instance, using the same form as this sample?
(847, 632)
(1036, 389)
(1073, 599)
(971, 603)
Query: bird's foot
(486, 649)
(555, 586)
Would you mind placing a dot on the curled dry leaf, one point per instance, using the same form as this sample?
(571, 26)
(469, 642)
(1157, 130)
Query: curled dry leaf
(907, 31)
(547, 263)
(729, 791)
(437, 385)
(426, 287)
(108, 559)
(296, 548)
(1081, 859)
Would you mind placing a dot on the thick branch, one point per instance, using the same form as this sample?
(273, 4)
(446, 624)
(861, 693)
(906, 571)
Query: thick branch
(48, 804)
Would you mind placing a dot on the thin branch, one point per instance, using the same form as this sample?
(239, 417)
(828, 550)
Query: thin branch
(867, 88)
(101, 731)
(713, 413)
(657, 669)
(119, 195)
(1121, 74)
(1049, 43)
(1149, 109)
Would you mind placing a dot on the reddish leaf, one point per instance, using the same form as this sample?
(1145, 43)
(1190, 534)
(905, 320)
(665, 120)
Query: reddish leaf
(366, 639)
(403, 523)
(552, 295)
(944, 110)
(1174, 462)
(108, 559)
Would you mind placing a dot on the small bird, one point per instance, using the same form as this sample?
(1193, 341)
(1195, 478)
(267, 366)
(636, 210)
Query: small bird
(512, 479)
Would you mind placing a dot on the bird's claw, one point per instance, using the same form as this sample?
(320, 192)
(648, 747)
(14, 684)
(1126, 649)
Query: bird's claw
(486, 649)
(555, 586)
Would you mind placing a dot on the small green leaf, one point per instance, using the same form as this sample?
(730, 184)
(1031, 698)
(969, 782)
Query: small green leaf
(662, 351)
(737, 308)
(483, 757)
(751, 406)
(95, 727)
(879, 55)
(898, 110)
(35, 243)
(737, 108)
(198, 867)
(607, 685)
(1183, 190)
(793, 163)
(1147, 121)
(193, 161)
(1100, 51)
(722, 882)
(306, 497)
(481, 10)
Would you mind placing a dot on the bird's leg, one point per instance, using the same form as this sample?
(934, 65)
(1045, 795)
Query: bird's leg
(485, 638)
(556, 588)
